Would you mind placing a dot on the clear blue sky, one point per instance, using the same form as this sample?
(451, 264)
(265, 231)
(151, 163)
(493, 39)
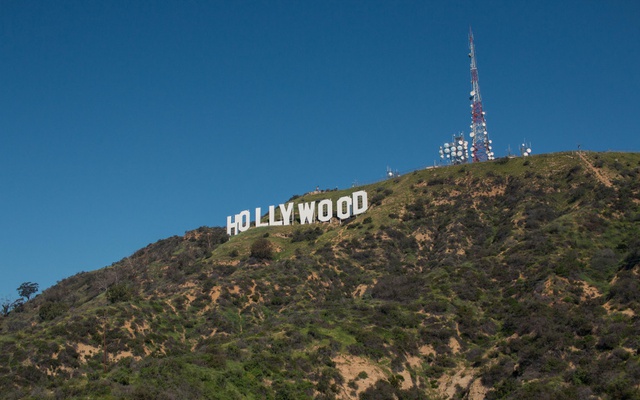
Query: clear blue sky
(125, 122)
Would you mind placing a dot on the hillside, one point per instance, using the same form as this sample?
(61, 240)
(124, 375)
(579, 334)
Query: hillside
(517, 278)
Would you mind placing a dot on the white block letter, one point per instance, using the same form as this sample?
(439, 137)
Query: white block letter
(360, 202)
(272, 216)
(259, 217)
(306, 211)
(325, 210)
(286, 212)
(344, 207)
(244, 220)
(232, 225)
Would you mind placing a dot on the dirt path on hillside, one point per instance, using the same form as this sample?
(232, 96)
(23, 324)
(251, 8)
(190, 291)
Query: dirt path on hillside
(599, 175)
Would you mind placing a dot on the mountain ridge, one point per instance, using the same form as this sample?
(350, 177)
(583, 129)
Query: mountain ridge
(504, 279)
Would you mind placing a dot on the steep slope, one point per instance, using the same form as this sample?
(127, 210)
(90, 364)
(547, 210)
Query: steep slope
(509, 279)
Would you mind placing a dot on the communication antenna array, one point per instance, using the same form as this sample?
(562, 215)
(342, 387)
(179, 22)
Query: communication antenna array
(525, 150)
(457, 151)
(481, 148)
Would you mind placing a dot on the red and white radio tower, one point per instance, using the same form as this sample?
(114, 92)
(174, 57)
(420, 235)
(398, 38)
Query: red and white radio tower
(481, 149)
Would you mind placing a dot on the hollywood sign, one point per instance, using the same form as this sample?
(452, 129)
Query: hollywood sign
(308, 213)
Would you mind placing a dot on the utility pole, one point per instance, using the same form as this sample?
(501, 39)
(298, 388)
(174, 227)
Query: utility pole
(104, 340)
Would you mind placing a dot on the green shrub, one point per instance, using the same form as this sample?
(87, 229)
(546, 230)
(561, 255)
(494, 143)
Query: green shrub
(52, 309)
(262, 249)
(119, 292)
(310, 234)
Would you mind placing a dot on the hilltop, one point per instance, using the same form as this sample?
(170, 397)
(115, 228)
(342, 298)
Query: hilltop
(516, 278)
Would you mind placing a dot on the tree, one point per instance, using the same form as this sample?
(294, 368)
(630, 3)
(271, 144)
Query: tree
(5, 306)
(27, 289)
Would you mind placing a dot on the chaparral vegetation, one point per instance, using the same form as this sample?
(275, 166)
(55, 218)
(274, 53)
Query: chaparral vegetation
(516, 278)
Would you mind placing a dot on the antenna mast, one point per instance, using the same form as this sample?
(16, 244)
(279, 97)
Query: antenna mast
(481, 149)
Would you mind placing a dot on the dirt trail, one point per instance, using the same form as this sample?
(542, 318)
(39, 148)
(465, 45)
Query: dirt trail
(599, 175)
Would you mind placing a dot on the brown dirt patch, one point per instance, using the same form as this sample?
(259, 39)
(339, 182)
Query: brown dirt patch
(414, 361)
(215, 293)
(422, 236)
(426, 350)
(611, 309)
(87, 351)
(454, 345)
(589, 292)
(124, 354)
(477, 391)
(359, 291)
(447, 383)
(350, 366)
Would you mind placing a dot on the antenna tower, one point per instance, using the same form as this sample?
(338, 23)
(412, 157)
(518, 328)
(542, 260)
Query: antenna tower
(481, 149)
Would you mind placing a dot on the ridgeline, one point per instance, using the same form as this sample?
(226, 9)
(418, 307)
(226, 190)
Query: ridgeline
(516, 278)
